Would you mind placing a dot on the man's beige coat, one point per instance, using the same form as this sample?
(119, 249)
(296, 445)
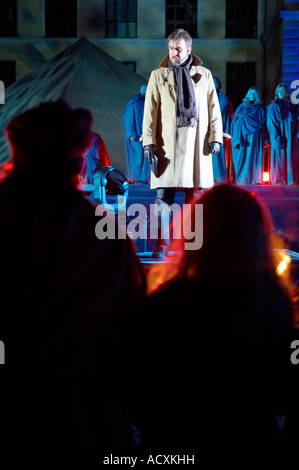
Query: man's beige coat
(184, 159)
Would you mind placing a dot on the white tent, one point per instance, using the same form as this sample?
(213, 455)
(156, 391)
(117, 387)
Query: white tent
(85, 76)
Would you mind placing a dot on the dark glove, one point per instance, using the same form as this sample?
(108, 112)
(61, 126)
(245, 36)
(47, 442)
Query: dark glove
(214, 147)
(149, 152)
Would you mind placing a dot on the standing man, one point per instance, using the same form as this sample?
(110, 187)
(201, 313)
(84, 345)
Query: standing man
(182, 126)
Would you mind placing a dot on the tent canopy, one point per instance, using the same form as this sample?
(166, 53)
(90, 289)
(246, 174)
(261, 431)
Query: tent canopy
(85, 76)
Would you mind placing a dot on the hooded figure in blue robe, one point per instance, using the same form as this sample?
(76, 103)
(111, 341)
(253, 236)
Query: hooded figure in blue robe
(283, 126)
(249, 137)
(222, 161)
(138, 168)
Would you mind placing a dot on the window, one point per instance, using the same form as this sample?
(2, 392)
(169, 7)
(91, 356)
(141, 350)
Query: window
(130, 65)
(240, 76)
(7, 72)
(181, 14)
(8, 18)
(241, 18)
(121, 18)
(61, 18)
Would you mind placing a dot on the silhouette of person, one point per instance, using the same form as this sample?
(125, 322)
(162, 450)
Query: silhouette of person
(220, 319)
(65, 296)
(182, 126)
(283, 126)
(138, 167)
(249, 137)
(222, 163)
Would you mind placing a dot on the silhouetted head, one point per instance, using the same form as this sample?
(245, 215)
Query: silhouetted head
(236, 232)
(50, 137)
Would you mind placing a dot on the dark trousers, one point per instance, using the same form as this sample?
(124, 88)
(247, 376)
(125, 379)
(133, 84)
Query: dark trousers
(165, 197)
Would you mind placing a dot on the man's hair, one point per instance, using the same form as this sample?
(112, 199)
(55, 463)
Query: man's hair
(179, 34)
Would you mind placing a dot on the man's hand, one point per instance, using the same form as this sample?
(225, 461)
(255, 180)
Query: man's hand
(150, 151)
(214, 147)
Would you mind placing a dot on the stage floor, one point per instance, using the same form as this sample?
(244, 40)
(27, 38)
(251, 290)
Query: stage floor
(282, 201)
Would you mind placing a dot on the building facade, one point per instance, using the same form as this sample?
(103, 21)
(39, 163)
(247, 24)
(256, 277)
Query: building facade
(241, 41)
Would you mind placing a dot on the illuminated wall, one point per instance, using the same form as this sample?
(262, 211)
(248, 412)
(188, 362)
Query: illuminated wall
(290, 47)
(31, 48)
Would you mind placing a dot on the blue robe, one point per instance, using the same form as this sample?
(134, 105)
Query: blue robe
(249, 136)
(138, 168)
(222, 160)
(283, 125)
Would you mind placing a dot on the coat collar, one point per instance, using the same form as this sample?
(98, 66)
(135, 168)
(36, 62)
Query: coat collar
(196, 61)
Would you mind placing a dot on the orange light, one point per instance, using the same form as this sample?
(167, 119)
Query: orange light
(284, 262)
(266, 176)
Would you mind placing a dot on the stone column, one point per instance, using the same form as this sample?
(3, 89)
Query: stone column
(31, 22)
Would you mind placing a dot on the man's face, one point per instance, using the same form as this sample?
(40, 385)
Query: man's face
(178, 51)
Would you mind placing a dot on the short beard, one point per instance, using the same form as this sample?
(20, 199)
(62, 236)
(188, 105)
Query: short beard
(180, 61)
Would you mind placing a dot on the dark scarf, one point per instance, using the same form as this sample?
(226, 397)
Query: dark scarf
(285, 108)
(185, 106)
